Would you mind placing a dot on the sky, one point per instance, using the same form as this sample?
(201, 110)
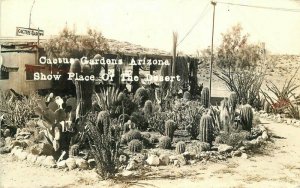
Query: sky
(150, 23)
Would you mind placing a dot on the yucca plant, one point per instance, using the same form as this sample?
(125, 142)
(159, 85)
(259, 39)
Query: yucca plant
(107, 98)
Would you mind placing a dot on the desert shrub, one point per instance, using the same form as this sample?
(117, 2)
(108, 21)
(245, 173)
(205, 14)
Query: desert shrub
(16, 112)
(232, 139)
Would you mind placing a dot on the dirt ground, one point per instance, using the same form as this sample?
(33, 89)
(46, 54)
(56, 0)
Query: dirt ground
(277, 166)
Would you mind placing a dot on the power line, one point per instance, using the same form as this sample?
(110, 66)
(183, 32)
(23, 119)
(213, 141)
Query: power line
(203, 13)
(261, 7)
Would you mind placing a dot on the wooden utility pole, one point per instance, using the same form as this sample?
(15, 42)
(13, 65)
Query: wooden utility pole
(212, 50)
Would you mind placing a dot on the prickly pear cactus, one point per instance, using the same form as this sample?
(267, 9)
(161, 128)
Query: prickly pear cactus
(165, 142)
(135, 146)
(246, 115)
(206, 129)
(180, 147)
(170, 128)
(205, 97)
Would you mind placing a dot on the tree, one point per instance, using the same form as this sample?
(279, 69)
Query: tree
(238, 60)
(70, 45)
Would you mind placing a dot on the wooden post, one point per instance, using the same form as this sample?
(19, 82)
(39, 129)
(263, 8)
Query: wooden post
(212, 50)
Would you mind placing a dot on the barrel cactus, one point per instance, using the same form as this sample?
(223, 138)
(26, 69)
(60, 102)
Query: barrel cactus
(135, 146)
(180, 147)
(133, 134)
(205, 97)
(165, 142)
(246, 115)
(170, 128)
(206, 129)
(187, 95)
(74, 151)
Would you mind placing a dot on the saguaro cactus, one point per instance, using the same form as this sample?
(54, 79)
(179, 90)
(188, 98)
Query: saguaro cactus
(206, 129)
(205, 97)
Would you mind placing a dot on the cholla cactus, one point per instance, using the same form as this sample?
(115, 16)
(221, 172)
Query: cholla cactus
(165, 142)
(180, 147)
(135, 146)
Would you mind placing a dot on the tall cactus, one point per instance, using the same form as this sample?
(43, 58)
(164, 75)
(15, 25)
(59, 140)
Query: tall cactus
(170, 128)
(232, 101)
(246, 117)
(206, 129)
(205, 97)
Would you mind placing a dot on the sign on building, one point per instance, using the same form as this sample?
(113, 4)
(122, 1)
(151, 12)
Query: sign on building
(21, 31)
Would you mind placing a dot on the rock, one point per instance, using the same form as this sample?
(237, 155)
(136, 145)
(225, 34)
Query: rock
(24, 133)
(22, 155)
(297, 123)
(19, 137)
(122, 159)
(49, 162)
(71, 163)
(92, 163)
(222, 148)
(8, 141)
(164, 159)
(259, 140)
(5, 149)
(237, 153)
(127, 173)
(187, 155)
(42, 149)
(40, 159)
(31, 158)
(289, 121)
(153, 160)
(61, 164)
(139, 158)
(6, 133)
(16, 150)
(192, 162)
(133, 165)
(244, 156)
(82, 164)
(181, 161)
(265, 136)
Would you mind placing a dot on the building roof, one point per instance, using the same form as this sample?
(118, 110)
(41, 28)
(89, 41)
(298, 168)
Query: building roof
(115, 46)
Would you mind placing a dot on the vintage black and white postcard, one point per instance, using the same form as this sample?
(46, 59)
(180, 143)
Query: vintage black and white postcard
(149, 93)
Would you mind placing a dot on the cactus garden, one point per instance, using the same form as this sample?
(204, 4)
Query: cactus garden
(129, 130)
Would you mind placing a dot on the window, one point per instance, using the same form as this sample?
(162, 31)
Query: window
(4, 74)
